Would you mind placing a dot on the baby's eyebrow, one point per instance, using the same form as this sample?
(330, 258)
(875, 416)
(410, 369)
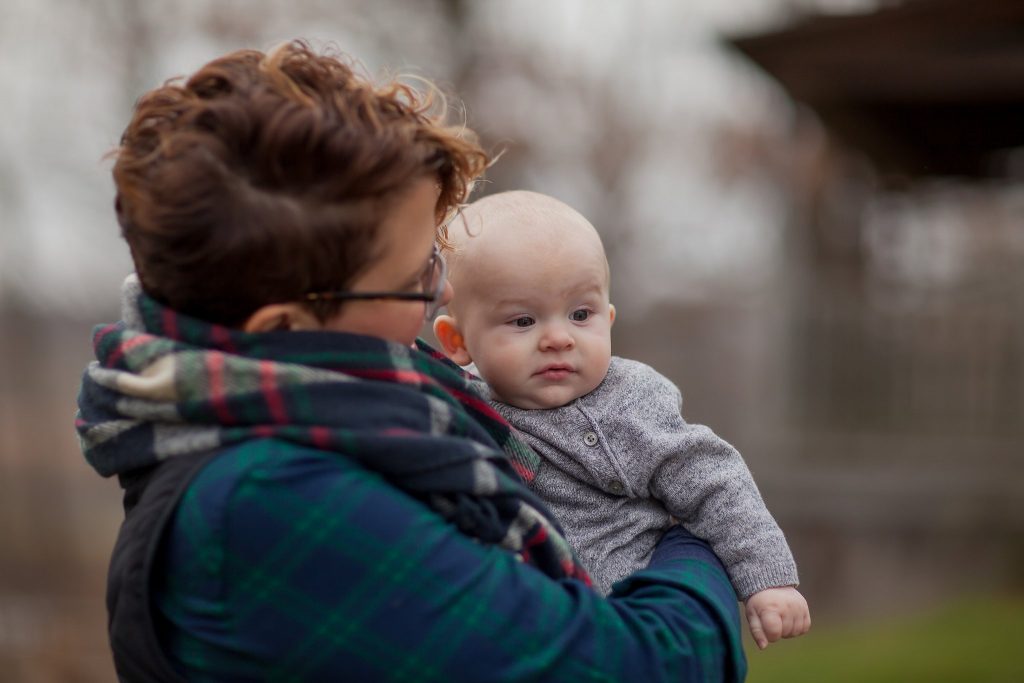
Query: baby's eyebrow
(588, 288)
(502, 303)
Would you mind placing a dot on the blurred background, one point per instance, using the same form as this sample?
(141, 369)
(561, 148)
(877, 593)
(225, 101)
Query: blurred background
(814, 212)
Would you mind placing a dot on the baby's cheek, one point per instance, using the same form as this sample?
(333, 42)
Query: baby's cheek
(506, 359)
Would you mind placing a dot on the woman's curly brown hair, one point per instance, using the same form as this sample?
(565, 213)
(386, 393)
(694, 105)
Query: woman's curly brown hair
(265, 176)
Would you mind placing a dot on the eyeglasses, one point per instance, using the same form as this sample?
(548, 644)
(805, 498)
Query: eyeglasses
(432, 282)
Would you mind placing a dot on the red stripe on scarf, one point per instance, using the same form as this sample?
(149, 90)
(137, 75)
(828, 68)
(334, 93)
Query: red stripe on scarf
(215, 369)
(396, 375)
(222, 338)
(524, 474)
(98, 338)
(320, 436)
(476, 404)
(119, 352)
(575, 571)
(170, 323)
(538, 536)
(275, 402)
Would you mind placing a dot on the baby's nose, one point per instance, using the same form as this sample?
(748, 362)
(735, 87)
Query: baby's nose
(556, 338)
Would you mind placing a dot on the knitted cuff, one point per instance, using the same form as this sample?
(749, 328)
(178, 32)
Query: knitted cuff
(764, 577)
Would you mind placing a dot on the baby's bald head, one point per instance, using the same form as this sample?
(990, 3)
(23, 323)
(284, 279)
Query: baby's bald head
(517, 226)
(531, 306)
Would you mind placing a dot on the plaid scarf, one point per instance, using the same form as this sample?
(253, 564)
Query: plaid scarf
(166, 384)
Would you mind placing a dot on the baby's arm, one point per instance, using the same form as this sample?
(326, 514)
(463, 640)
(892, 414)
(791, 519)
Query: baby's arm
(708, 487)
(777, 613)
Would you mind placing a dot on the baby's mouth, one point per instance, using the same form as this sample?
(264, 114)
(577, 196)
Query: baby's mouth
(555, 371)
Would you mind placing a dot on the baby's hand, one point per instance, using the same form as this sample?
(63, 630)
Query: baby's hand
(777, 613)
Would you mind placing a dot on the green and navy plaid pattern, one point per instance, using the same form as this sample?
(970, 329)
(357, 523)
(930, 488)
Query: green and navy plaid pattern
(283, 563)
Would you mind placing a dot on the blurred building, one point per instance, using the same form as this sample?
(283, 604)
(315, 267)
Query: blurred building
(904, 365)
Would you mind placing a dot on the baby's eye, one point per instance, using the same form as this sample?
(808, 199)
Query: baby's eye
(523, 321)
(580, 315)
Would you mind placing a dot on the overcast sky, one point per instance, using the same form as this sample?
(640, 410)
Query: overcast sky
(70, 71)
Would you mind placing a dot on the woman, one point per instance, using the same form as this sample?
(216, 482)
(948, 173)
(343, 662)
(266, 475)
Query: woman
(309, 496)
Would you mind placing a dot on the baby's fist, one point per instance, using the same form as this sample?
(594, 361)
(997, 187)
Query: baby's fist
(777, 613)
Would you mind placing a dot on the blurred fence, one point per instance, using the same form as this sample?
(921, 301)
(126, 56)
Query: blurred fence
(956, 369)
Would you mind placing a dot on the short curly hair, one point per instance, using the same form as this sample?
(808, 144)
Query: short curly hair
(265, 176)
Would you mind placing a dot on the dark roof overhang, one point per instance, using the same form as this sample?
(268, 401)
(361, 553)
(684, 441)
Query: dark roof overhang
(923, 88)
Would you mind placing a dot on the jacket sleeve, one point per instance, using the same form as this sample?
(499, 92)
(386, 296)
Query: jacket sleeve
(310, 568)
(704, 483)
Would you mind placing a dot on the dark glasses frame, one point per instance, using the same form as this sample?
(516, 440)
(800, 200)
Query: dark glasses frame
(432, 280)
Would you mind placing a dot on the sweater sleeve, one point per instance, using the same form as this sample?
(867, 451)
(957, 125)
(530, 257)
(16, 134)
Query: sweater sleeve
(699, 478)
(709, 488)
(301, 565)
(704, 483)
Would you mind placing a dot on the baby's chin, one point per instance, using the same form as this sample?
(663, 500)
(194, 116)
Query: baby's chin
(544, 399)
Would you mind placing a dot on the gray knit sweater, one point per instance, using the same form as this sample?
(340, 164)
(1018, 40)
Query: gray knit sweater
(620, 463)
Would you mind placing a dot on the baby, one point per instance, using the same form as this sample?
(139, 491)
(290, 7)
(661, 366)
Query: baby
(620, 465)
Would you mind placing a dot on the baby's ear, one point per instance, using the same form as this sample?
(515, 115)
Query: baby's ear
(611, 313)
(446, 329)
